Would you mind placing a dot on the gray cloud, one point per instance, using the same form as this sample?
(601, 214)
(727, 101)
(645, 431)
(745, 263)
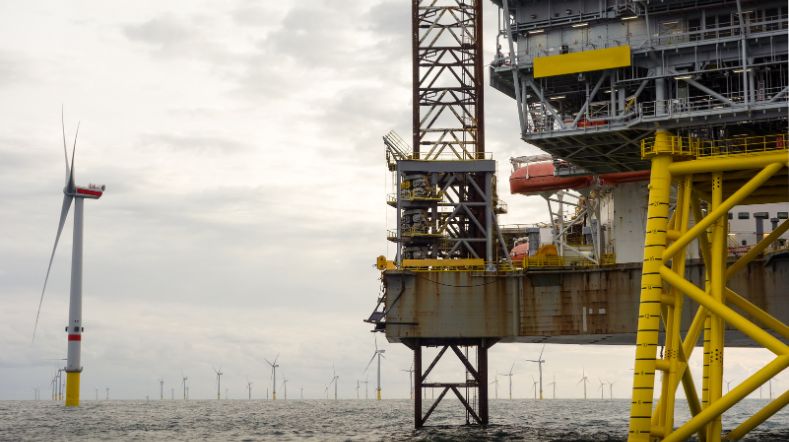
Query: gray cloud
(193, 144)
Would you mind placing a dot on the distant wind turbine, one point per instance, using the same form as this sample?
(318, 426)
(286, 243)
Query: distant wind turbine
(357, 389)
(366, 382)
(161, 389)
(554, 386)
(334, 380)
(584, 379)
(496, 383)
(183, 382)
(611, 390)
(539, 362)
(74, 329)
(410, 372)
(218, 383)
(602, 388)
(534, 386)
(510, 376)
(285, 386)
(274, 366)
(249, 389)
(379, 354)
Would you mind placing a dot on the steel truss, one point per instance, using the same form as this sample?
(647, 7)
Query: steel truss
(718, 183)
(447, 79)
(476, 378)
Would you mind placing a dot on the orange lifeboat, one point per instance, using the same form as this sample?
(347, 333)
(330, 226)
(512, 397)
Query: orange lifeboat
(520, 251)
(539, 177)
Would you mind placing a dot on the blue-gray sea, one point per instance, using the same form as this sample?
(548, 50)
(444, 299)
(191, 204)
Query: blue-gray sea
(240, 420)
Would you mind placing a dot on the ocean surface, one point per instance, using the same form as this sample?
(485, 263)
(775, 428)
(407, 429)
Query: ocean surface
(240, 420)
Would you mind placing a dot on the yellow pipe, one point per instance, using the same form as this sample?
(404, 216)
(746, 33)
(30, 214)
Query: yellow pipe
(756, 313)
(738, 393)
(722, 210)
(717, 284)
(673, 338)
(72, 389)
(757, 249)
(753, 331)
(759, 417)
(708, 165)
(649, 311)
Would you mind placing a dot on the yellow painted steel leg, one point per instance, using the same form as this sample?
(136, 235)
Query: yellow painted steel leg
(651, 291)
(717, 326)
(72, 389)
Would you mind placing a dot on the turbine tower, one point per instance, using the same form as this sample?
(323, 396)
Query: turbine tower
(285, 386)
(218, 383)
(357, 389)
(161, 389)
(584, 379)
(274, 366)
(602, 388)
(496, 383)
(249, 389)
(74, 329)
(410, 372)
(509, 375)
(183, 381)
(366, 382)
(539, 362)
(379, 354)
(334, 380)
(534, 387)
(554, 386)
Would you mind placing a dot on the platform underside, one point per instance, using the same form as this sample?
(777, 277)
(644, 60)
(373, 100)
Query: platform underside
(560, 305)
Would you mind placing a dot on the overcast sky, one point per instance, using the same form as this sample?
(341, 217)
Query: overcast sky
(240, 143)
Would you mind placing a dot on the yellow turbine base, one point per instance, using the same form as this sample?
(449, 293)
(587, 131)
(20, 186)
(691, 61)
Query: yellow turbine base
(378, 394)
(72, 389)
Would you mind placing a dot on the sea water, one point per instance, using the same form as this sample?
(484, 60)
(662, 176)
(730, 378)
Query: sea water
(242, 420)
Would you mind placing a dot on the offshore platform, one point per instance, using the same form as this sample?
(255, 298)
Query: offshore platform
(664, 124)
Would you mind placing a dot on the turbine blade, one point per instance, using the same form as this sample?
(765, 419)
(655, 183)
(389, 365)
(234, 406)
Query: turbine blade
(543, 349)
(71, 185)
(371, 361)
(63, 213)
(65, 148)
(277, 358)
(267, 362)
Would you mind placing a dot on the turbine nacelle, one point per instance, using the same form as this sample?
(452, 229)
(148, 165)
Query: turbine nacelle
(92, 191)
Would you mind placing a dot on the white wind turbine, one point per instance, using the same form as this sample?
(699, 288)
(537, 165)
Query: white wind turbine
(183, 383)
(534, 386)
(74, 329)
(496, 383)
(218, 382)
(410, 372)
(554, 386)
(602, 388)
(285, 386)
(274, 366)
(611, 390)
(161, 389)
(584, 379)
(509, 375)
(379, 354)
(249, 390)
(366, 383)
(334, 380)
(539, 362)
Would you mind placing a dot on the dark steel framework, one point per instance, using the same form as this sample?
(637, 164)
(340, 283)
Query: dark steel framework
(476, 378)
(447, 76)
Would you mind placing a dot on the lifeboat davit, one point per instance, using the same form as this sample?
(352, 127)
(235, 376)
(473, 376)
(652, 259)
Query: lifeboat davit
(539, 177)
